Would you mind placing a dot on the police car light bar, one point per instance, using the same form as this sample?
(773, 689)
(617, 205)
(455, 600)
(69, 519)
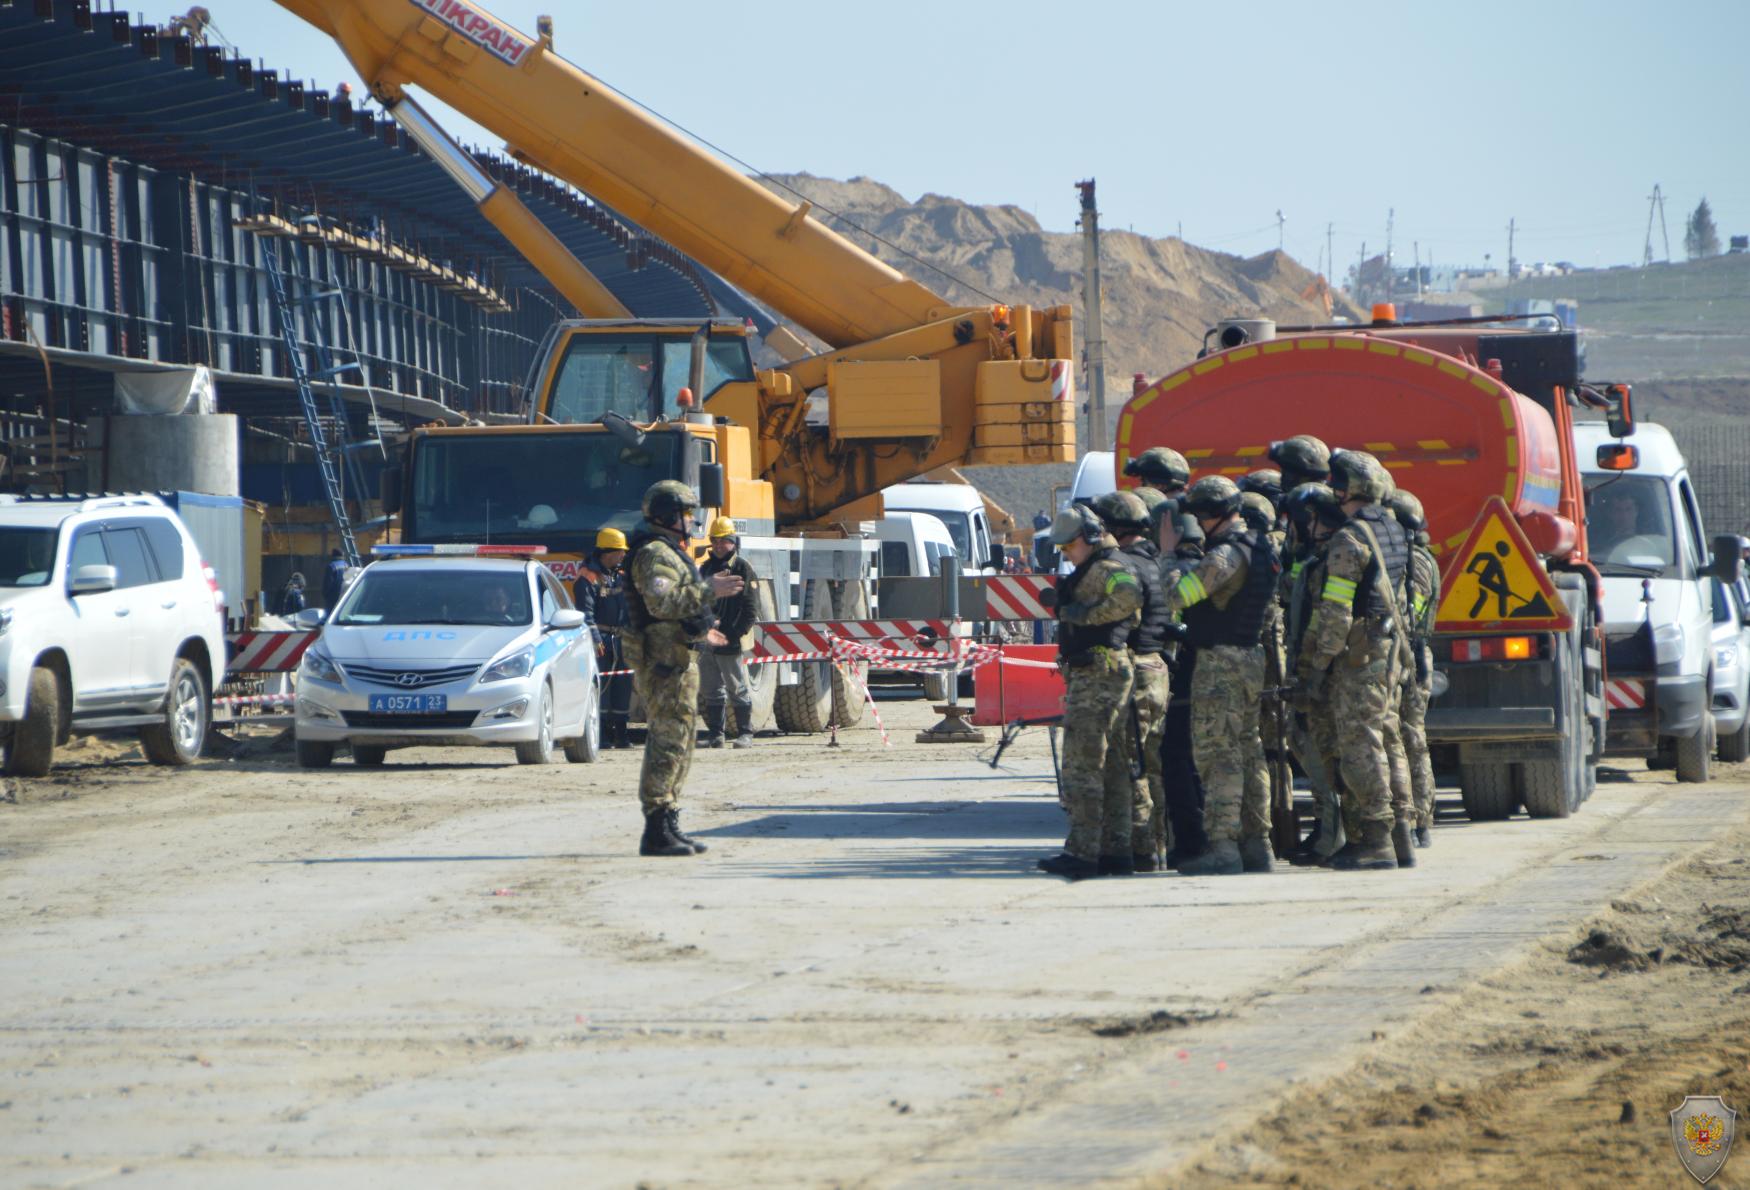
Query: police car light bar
(458, 551)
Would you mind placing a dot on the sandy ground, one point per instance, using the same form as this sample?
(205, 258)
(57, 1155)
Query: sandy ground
(455, 971)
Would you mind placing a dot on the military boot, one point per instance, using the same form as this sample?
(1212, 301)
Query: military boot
(1069, 867)
(1424, 837)
(1117, 865)
(658, 839)
(1373, 854)
(1307, 855)
(1402, 844)
(1222, 859)
(1256, 856)
(1145, 861)
(674, 828)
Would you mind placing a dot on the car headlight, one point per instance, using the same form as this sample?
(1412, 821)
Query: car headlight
(1725, 657)
(1668, 644)
(317, 664)
(517, 665)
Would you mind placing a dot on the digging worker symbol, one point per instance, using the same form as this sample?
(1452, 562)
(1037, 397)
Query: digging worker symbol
(1491, 576)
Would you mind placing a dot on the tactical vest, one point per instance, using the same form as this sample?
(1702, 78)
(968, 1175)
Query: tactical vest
(1241, 622)
(638, 615)
(1371, 598)
(1075, 640)
(1151, 635)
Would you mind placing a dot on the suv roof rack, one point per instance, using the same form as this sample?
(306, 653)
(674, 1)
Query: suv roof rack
(87, 501)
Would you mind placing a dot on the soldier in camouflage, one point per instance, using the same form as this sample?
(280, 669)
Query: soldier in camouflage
(1261, 509)
(1180, 539)
(1097, 606)
(1225, 601)
(1161, 468)
(669, 611)
(1418, 684)
(1314, 514)
(1126, 517)
(1352, 653)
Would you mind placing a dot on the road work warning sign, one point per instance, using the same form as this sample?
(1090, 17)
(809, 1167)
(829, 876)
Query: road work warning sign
(1496, 583)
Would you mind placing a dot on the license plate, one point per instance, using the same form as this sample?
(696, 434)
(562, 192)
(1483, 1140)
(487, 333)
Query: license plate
(409, 704)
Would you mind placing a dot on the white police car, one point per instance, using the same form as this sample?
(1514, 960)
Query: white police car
(443, 645)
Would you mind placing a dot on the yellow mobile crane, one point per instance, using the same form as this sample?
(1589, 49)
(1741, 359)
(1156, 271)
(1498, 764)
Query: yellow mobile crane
(910, 383)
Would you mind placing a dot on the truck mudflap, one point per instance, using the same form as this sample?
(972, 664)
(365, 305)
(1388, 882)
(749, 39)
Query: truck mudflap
(1644, 709)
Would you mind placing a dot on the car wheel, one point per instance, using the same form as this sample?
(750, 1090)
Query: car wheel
(588, 744)
(31, 748)
(315, 754)
(188, 712)
(1735, 748)
(540, 750)
(369, 755)
(1695, 753)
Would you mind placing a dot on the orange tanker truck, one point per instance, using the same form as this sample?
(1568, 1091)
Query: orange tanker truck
(1476, 418)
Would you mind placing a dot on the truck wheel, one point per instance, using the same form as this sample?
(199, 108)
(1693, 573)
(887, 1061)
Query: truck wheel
(936, 686)
(315, 754)
(188, 712)
(1695, 753)
(806, 707)
(1487, 791)
(762, 680)
(848, 682)
(30, 750)
(1552, 788)
(1735, 748)
(1543, 786)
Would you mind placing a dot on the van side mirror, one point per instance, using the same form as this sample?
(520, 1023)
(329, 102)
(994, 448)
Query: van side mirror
(1619, 417)
(1728, 560)
(711, 485)
(390, 490)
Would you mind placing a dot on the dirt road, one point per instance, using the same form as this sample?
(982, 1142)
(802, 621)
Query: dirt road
(455, 971)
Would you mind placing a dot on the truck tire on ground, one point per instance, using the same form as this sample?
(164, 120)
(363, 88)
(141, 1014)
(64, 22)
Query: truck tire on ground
(936, 686)
(1555, 788)
(762, 680)
(1735, 748)
(1695, 754)
(1487, 791)
(848, 704)
(806, 707)
(179, 738)
(31, 748)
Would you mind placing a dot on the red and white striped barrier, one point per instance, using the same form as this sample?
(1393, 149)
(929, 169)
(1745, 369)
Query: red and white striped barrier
(267, 652)
(787, 639)
(1625, 694)
(1017, 597)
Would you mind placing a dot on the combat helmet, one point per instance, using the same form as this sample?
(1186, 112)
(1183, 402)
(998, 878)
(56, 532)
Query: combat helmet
(1161, 466)
(1123, 512)
(1257, 511)
(1310, 505)
(1078, 520)
(1266, 483)
(1408, 510)
(1303, 459)
(1357, 475)
(667, 499)
(1213, 497)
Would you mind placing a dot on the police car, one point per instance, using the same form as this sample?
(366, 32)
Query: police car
(445, 645)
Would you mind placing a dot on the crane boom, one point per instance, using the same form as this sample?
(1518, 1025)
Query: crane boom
(555, 116)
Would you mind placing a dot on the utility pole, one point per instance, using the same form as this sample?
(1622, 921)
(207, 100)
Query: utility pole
(1512, 262)
(1096, 340)
(1330, 257)
(1656, 202)
(1360, 274)
(1390, 215)
(1416, 255)
(1279, 222)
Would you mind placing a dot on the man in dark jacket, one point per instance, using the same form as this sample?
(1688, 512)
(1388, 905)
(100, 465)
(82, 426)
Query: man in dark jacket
(723, 668)
(601, 597)
(333, 581)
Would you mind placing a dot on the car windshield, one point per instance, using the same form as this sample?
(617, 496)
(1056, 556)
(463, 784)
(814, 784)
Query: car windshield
(528, 488)
(1628, 523)
(959, 527)
(27, 557)
(415, 593)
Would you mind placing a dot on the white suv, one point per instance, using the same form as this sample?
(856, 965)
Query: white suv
(109, 619)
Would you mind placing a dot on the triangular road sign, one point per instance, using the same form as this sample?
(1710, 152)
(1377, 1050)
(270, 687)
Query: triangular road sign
(1495, 582)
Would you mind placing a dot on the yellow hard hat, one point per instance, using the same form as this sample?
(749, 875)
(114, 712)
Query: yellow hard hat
(610, 539)
(722, 527)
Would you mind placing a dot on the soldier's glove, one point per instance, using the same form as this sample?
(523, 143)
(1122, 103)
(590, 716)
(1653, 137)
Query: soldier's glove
(1048, 598)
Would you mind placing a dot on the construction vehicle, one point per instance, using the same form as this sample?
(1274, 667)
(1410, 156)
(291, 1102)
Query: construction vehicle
(909, 382)
(1477, 419)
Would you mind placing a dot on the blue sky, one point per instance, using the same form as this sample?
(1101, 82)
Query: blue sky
(1209, 116)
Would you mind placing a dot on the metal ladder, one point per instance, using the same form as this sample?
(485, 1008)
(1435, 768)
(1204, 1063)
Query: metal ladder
(329, 460)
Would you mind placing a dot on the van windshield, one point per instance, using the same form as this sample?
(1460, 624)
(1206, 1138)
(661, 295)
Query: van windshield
(1628, 524)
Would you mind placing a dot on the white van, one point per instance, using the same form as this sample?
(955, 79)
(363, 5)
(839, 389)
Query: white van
(1644, 534)
(913, 544)
(957, 506)
(1096, 475)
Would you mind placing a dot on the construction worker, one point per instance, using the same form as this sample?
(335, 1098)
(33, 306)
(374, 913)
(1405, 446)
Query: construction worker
(1314, 514)
(669, 610)
(723, 668)
(1180, 539)
(1126, 517)
(1418, 684)
(1351, 656)
(600, 593)
(1097, 605)
(1161, 468)
(1301, 459)
(1225, 602)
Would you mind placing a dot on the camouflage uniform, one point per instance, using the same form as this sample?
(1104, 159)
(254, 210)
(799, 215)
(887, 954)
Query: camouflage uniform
(671, 609)
(1181, 802)
(1095, 611)
(1313, 734)
(1418, 686)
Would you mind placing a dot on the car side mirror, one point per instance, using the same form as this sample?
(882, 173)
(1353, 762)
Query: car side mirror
(711, 485)
(311, 617)
(566, 619)
(1728, 561)
(1619, 416)
(94, 580)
